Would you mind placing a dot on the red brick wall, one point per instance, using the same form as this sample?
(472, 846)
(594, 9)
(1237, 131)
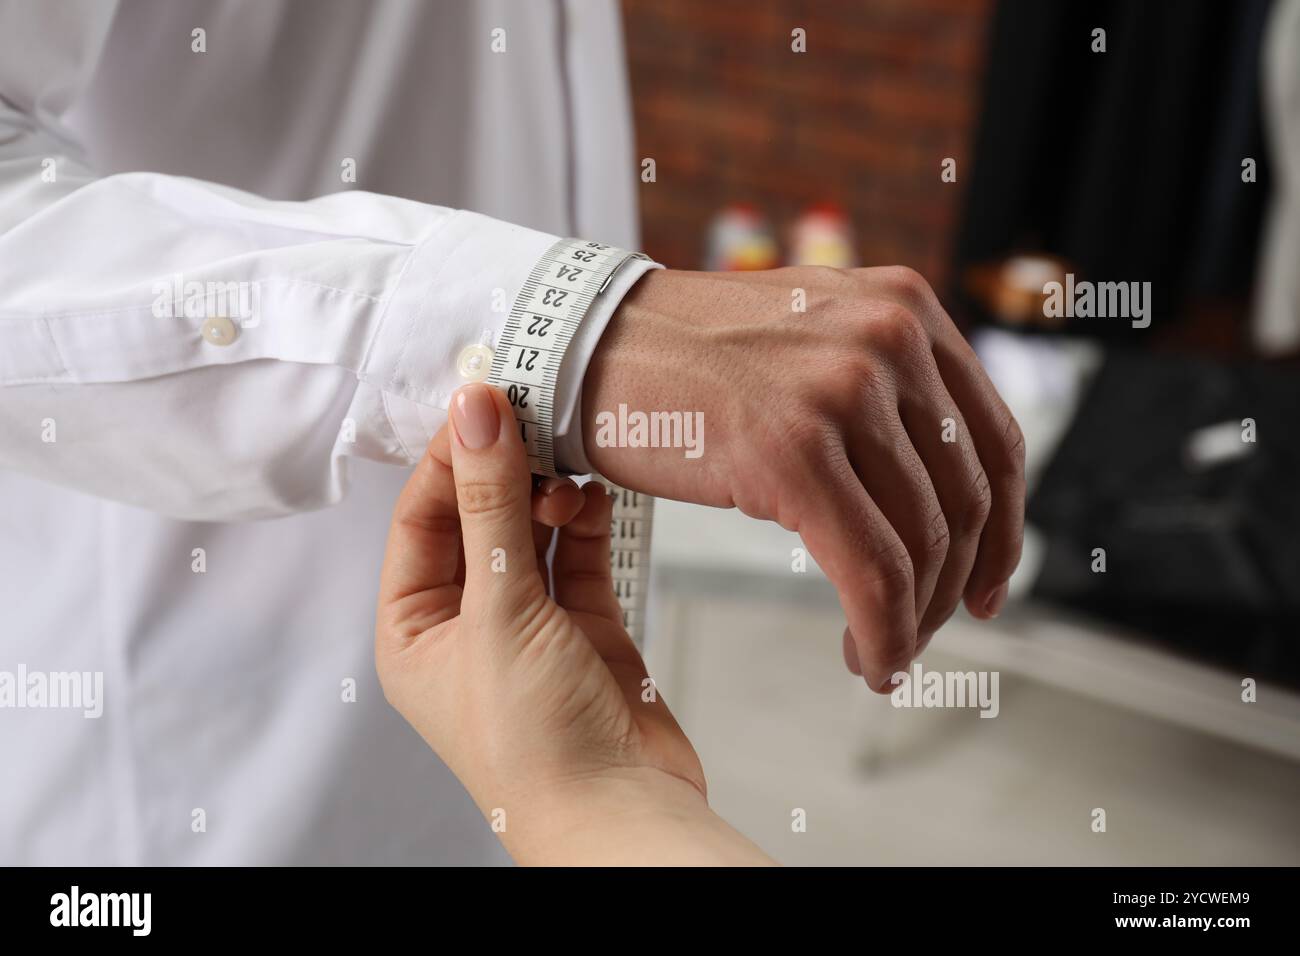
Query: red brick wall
(887, 89)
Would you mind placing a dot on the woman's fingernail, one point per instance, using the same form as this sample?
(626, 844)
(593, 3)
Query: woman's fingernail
(552, 485)
(474, 415)
(998, 598)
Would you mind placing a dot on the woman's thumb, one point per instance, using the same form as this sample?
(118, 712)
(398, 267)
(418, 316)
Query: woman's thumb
(493, 494)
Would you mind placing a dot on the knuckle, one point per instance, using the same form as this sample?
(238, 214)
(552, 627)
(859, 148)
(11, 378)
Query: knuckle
(845, 362)
(909, 285)
(898, 331)
(854, 380)
(975, 509)
(537, 627)
(807, 441)
(536, 613)
(438, 524)
(487, 498)
(938, 536)
(1013, 442)
(893, 574)
(527, 607)
(831, 277)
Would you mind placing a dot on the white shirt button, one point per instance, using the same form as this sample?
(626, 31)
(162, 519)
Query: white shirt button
(219, 330)
(474, 362)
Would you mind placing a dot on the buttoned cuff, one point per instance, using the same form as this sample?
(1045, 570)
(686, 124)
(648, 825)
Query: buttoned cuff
(448, 312)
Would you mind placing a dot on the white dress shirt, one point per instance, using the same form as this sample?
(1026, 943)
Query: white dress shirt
(145, 145)
(1276, 319)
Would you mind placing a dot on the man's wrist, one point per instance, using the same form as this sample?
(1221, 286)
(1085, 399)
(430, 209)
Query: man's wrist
(570, 450)
(626, 368)
(661, 353)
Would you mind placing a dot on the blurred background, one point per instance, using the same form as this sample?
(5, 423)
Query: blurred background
(996, 147)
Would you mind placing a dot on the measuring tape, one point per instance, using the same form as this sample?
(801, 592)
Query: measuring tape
(548, 309)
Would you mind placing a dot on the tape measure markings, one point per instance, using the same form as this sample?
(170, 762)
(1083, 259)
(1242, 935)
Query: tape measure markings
(549, 307)
(629, 555)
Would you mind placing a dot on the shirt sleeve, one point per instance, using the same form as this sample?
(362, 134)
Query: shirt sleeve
(213, 355)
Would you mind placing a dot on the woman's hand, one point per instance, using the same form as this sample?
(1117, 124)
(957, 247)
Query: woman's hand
(541, 706)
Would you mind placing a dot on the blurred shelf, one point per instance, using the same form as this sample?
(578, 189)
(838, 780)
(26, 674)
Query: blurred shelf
(1048, 645)
(699, 552)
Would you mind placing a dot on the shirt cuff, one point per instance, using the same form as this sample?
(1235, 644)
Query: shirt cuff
(455, 292)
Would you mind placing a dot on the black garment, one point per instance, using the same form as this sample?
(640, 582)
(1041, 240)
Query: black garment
(1206, 557)
(1125, 163)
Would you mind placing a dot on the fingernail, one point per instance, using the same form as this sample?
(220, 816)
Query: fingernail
(998, 598)
(552, 485)
(474, 415)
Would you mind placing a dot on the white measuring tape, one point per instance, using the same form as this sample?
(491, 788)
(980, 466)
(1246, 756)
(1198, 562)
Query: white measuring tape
(548, 309)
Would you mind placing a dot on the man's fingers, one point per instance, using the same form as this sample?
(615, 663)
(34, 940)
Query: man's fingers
(1001, 449)
(994, 432)
(851, 654)
(867, 562)
(493, 494)
(893, 475)
(939, 434)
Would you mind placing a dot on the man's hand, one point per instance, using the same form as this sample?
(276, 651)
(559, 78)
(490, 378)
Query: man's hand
(865, 423)
(540, 705)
